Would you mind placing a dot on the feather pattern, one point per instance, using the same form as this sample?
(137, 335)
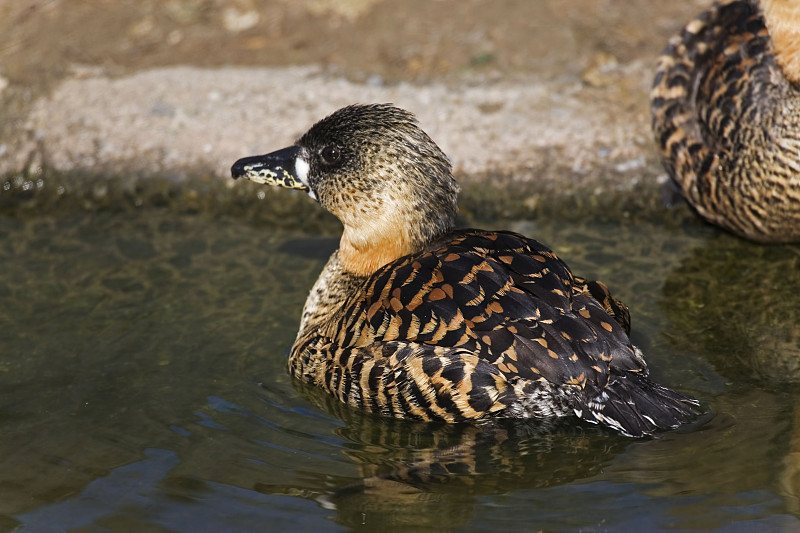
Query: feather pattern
(726, 118)
(455, 325)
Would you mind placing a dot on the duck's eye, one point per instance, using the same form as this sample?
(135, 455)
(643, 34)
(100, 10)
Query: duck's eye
(331, 155)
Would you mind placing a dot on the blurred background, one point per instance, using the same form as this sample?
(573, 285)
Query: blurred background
(533, 90)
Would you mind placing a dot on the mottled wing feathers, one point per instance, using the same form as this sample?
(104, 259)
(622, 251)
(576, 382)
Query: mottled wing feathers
(499, 295)
(612, 306)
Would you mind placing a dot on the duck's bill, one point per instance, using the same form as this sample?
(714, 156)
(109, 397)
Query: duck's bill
(283, 168)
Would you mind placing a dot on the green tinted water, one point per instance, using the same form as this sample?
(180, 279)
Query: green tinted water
(143, 388)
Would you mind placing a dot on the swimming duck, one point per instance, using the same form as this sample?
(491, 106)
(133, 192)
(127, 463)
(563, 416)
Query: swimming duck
(412, 318)
(726, 116)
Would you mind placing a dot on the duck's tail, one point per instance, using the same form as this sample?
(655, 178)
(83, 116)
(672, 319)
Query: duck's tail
(637, 407)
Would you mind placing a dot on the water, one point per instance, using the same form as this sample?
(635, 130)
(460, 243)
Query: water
(143, 388)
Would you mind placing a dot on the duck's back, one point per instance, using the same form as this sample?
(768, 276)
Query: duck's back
(727, 122)
(487, 323)
(499, 294)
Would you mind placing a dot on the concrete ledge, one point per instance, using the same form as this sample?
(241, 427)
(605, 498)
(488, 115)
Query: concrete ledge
(556, 137)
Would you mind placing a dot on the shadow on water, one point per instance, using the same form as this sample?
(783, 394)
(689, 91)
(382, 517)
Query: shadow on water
(738, 302)
(143, 388)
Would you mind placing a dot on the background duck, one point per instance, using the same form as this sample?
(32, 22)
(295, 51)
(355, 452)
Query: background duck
(726, 116)
(412, 318)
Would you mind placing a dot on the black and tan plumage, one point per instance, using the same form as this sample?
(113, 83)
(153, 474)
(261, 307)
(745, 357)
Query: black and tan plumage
(726, 116)
(412, 318)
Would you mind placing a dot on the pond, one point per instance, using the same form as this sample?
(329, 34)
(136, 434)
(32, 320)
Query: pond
(143, 387)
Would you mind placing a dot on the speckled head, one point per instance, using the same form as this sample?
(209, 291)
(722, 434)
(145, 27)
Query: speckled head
(375, 169)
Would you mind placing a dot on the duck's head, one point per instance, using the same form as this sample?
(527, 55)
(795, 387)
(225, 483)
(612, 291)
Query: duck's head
(377, 171)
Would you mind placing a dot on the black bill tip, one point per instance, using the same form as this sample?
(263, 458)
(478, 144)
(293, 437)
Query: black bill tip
(276, 168)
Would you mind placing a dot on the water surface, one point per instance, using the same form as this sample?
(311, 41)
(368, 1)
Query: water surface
(143, 388)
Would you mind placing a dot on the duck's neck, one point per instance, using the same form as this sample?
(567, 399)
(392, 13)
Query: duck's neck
(782, 18)
(361, 253)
